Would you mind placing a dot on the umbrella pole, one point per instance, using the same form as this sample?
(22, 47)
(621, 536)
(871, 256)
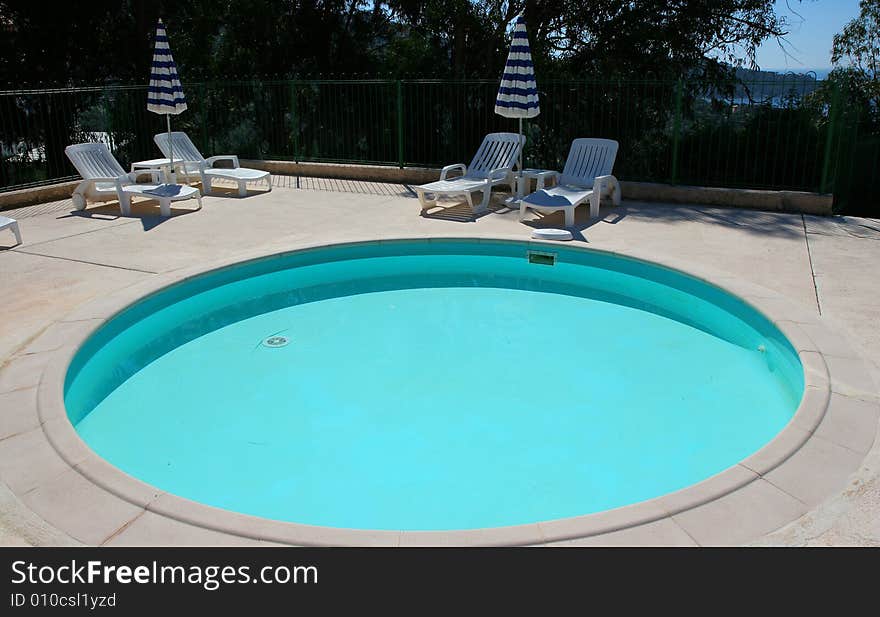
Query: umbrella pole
(171, 175)
(519, 181)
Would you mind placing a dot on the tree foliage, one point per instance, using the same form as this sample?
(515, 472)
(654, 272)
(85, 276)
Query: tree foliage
(858, 45)
(110, 40)
(856, 54)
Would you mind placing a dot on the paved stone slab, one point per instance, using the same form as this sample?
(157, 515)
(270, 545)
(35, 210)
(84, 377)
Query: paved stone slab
(38, 290)
(159, 244)
(830, 465)
(59, 334)
(27, 460)
(20, 526)
(832, 342)
(852, 423)
(87, 512)
(750, 512)
(41, 224)
(18, 412)
(847, 288)
(22, 371)
(850, 376)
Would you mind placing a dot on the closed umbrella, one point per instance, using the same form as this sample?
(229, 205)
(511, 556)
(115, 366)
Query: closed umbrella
(165, 94)
(518, 94)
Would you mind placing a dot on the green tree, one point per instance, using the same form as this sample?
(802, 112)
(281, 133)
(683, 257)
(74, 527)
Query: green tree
(616, 37)
(104, 40)
(851, 94)
(856, 56)
(110, 41)
(859, 43)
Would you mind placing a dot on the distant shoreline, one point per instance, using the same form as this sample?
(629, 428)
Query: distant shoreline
(820, 73)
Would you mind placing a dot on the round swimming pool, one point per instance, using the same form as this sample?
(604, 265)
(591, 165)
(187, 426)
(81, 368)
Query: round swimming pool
(432, 385)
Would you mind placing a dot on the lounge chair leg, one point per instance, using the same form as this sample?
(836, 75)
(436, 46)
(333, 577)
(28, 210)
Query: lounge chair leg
(569, 217)
(165, 207)
(125, 204)
(522, 210)
(269, 183)
(79, 201)
(242, 188)
(487, 195)
(199, 200)
(422, 201)
(470, 200)
(594, 204)
(16, 232)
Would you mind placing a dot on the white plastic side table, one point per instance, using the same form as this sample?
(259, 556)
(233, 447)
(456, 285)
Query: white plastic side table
(162, 166)
(539, 175)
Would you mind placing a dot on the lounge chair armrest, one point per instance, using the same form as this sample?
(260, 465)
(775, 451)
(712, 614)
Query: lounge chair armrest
(107, 179)
(449, 168)
(185, 166)
(499, 174)
(608, 186)
(123, 179)
(603, 183)
(222, 157)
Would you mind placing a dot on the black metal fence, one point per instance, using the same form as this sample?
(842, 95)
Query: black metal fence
(790, 134)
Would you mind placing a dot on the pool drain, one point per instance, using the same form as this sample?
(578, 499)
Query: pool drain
(276, 341)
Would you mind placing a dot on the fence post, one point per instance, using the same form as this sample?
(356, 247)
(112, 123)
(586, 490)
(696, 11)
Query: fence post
(204, 95)
(676, 131)
(294, 120)
(827, 181)
(106, 111)
(400, 158)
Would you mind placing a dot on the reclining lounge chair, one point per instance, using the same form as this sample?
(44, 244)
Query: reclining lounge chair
(587, 176)
(492, 165)
(190, 162)
(104, 179)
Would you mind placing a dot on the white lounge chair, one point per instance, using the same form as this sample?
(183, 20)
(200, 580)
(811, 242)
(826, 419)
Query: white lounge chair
(587, 176)
(194, 165)
(492, 165)
(104, 179)
(12, 225)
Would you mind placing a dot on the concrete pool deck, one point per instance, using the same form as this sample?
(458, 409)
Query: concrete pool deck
(821, 266)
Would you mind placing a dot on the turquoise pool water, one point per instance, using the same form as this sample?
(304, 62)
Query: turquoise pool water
(432, 385)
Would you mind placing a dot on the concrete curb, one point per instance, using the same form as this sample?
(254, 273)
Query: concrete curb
(36, 195)
(773, 201)
(754, 199)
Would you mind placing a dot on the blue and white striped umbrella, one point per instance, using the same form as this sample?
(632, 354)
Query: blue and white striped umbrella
(518, 94)
(165, 94)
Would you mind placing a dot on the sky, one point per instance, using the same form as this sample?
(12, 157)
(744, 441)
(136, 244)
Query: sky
(812, 26)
